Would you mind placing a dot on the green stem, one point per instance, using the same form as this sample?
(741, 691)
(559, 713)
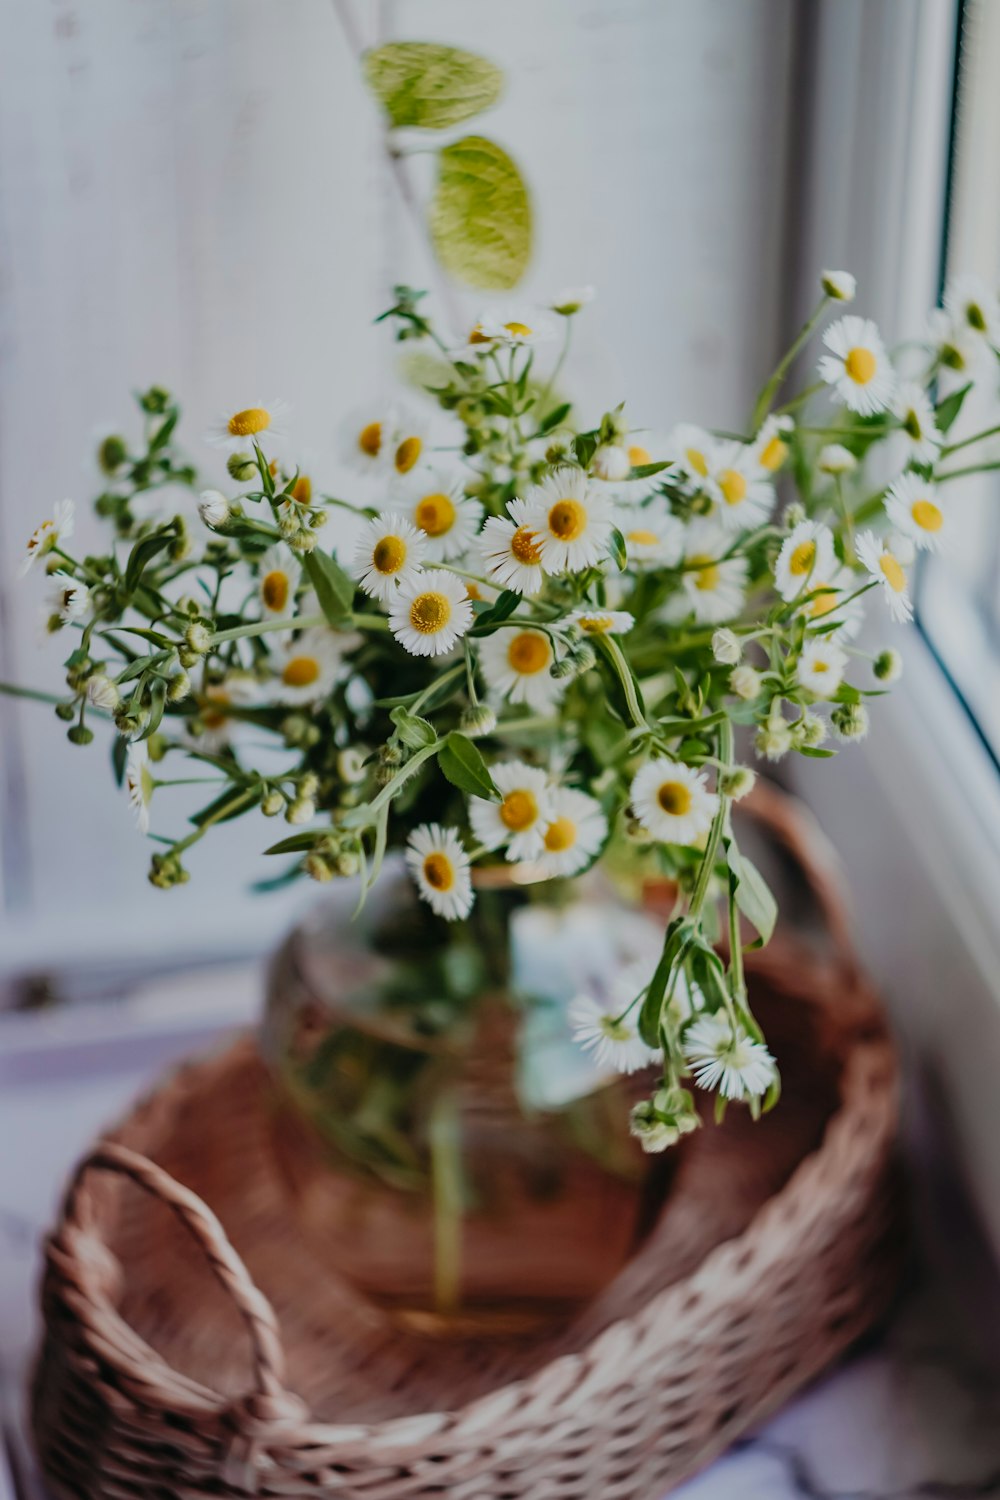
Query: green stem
(623, 672)
(12, 690)
(977, 437)
(773, 383)
(296, 622)
(715, 832)
(970, 469)
(225, 811)
(446, 1179)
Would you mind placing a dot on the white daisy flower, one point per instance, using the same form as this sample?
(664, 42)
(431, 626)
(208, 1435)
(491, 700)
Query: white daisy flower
(611, 463)
(654, 537)
(510, 551)
(430, 613)
(769, 448)
(572, 521)
(840, 285)
(820, 668)
(408, 445)
(693, 449)
(236, 690)
(311, 666)
(577, 829)
(647, 447)
(857, 366)
(516, 666)
(884, 566)
(712, 589)
(830, 600)
(728, 1059)
(214, 508)
(241, 429)
(973, 306)
(602, 621)
(744, 496)
(570, 300)
(807, 554)
(613, 1043)
(960, 355)
(836, 459)
(139, 783)
(672, 801)
(918, 427)
(389, 552)
(912, 506)
(519, 820)
(515, 327)
(366, 437)
(727, 648)
(70, 601)
(440, 868)
(48, 534)
(448, 518)
(278, 579)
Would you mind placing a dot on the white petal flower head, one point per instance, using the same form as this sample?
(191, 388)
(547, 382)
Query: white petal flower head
(139, 783)
(577, 830)
(570, 300)
(407, 447)
(430, 613)
(884, 566)
(832, 602)
(611, 463)
(48, 534)
(449, 519)
(602, 621)
(654, 537)
(693, 450)
(960, 355)
(440, 867)
(611, 1041)
(672, 801)
(389, 554)
(727, 647)
(724, 1057)
(519, 820)
(857, 366)
(70, 601)
(214, 508)
(278, 580)
(310, 667)
(807, 555)
(366, 437)
(841, 286)
(918, 425)
(770, 446)
(974, 307)
(516, 665)
(512, 327)
(571, 520)
(836, 459)
(713, 587)
(914, 508)
(744, 496)
(510, 551)
(820, 667)
(238, 431)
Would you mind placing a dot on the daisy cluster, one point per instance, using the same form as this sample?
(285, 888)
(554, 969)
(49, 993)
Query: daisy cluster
(536, 637)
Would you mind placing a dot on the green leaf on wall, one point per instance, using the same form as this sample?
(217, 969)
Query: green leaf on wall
(427, 85)
(480, 217)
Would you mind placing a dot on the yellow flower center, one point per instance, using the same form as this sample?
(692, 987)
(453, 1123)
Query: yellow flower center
(560, 835)
(430, 613)
(302, 490)
(518, 330)
(370, 439)
(823, 602)
(523, 546)
(529, 653)
(477, 336)
(675, 798)
(300, 671)
(697, 461)
(733, 486)
(911, 425)
(638, 455)
(642, 538)
(860, 365)
(568, 520)
(595, 624)
(927, 515)
(408, 453)
(389, 554)
(518, 811)
(892, 572)
(439, 872)
(773, 454)
(820, 666)
(274, 589)
(435, 514)
(706, 573)
(247, 423)
(801, 561)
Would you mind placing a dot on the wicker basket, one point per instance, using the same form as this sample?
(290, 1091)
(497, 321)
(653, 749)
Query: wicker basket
(185, 1359)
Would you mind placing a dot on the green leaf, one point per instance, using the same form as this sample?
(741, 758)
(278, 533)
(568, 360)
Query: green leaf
(557, 415)
(465, 768)
(752, 895)
(334, 590)
(503, 606)
(646, 471)
(480, 217)
(617, 549)
(214, 809)
(119, 755)
(157, 702)
(414, 731)
(947, 410)
(296, 844)
(427, 85)
(142, 554)
(815, 753)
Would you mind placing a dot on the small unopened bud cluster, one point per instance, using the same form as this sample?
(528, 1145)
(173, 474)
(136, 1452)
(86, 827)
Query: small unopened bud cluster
(659, 1122)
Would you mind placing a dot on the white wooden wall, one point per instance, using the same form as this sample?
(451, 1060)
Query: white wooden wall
(193, 192)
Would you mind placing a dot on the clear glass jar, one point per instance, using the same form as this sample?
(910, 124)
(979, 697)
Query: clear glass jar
(448, 1148)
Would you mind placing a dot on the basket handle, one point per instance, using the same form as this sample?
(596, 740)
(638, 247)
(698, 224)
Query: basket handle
(205, 1229)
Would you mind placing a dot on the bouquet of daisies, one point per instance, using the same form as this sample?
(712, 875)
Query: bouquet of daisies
(534, 640)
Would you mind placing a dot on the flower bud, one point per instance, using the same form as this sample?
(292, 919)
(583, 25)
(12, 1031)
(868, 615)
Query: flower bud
(571, 299)
(242, 467)
(302, 542)
(308, 785)
(745, 682)
(351, 765)
(773, 739)
(810, 732)
(180, 545)
(563, 668)
(347, 863)
(128, 725)
(836, 459)
(317, 868)
(559, 446)
(198, 638)
(102, 692)
(737, 783)
(850, 721)
(794, 515)
(65, 711)
(478, 720)
(888, 665)
(840, 285)
(112, 453)
(214, 508)
(79, 735)
(611, 462)
(272, 805)
(302, 810)
(166, 871)
(726, 647)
